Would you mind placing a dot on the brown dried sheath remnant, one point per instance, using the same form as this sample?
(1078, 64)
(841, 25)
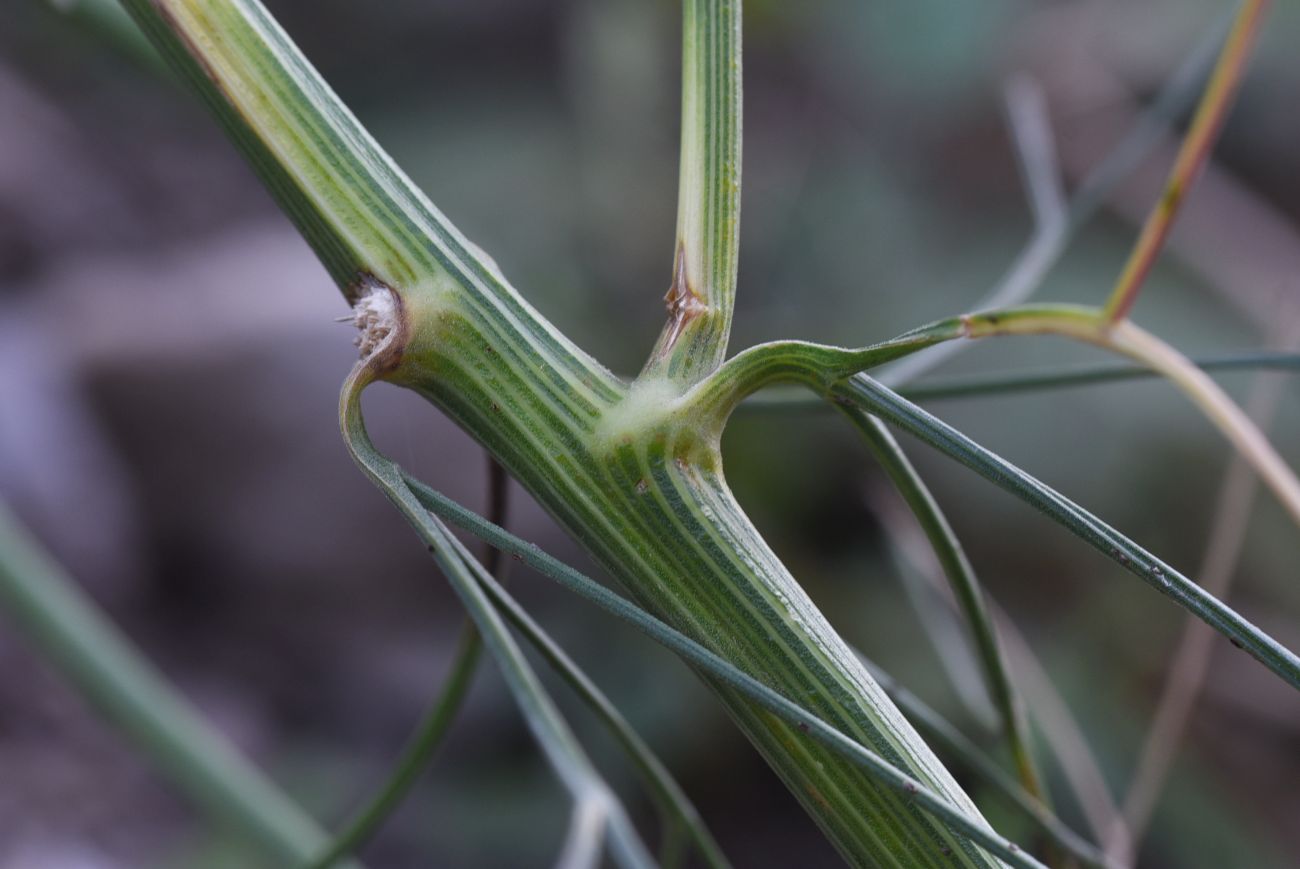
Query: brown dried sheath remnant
(382, 339)
(684, 304)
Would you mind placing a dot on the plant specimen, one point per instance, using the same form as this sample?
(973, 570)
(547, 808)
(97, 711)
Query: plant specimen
(633, 470)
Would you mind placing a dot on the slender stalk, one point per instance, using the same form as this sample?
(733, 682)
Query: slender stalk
(1191, 159)
(783, 399)
(703, 289)
(415, 757)
(435, 724)
(965, 589)
(59, 621)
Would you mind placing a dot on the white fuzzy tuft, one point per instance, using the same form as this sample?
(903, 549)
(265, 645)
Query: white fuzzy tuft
(375, 314)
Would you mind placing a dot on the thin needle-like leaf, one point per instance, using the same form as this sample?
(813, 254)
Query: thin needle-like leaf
(1191, 658)
(871, 396)
(965, 588)
(1126, 338)
(1060, 730)
(783, 399)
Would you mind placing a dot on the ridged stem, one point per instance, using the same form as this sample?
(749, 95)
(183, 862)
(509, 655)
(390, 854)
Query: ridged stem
(702, 291)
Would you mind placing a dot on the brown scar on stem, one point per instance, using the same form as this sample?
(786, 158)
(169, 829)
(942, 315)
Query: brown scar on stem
(683, 303)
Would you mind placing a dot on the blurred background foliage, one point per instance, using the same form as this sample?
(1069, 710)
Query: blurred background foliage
(169, 372)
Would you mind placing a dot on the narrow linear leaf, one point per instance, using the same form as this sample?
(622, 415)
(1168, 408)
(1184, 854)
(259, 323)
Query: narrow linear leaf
(1191, 159)
(1128, 339)
(861, 391)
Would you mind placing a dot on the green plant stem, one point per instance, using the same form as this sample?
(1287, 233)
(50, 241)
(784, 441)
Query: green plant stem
(67, 629)
(965, 588)
(624, 470)
(802, 718)
(861, 391)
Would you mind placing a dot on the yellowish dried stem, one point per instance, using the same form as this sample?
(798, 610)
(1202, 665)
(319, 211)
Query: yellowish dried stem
(1192, 156)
